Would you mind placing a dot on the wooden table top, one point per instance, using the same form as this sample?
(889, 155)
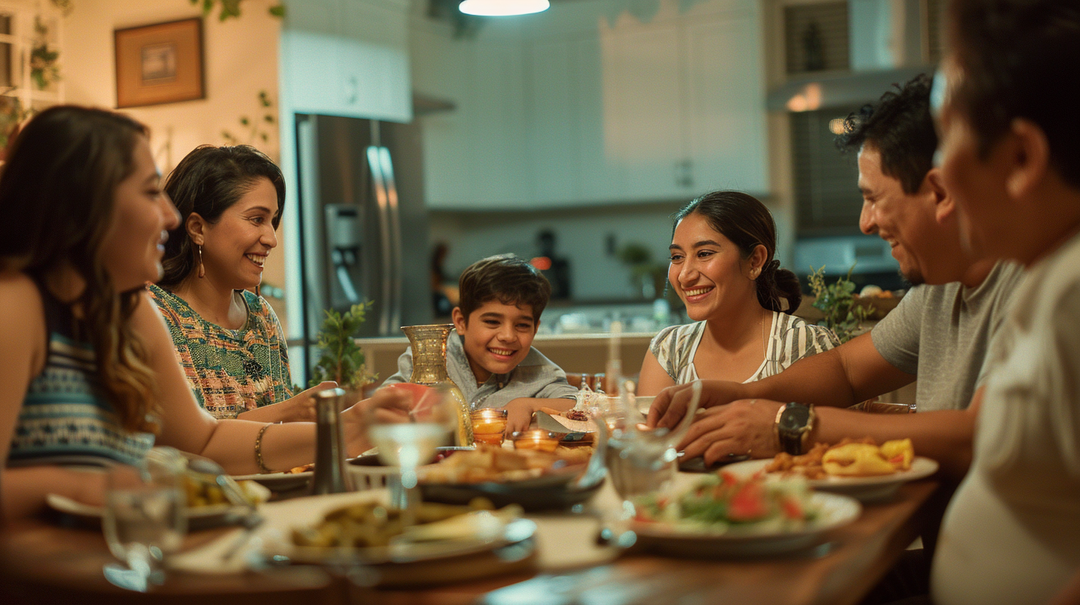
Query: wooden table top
(41, 561)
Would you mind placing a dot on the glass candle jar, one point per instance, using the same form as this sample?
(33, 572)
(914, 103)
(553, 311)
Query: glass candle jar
(536, 439)
(489, 425)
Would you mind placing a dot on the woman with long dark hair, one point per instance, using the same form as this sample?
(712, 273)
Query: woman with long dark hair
(722, 268)
(88, 372)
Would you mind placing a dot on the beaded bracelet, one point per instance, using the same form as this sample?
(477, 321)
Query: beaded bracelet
(258, 450)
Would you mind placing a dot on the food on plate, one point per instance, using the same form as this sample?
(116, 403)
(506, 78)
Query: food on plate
(578, 415)
(375, 524)
(497, 464)
(303, 468)
(202, 490)
(724, 502)
(849, 458)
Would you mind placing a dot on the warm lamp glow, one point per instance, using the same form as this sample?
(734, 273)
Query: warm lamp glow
(502, 8)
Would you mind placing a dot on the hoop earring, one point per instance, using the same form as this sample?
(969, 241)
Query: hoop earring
(202, 269)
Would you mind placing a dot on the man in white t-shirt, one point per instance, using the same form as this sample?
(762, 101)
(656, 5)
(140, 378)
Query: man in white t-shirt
(939, 332)
(1009, 154)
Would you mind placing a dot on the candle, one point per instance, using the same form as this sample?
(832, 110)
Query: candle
(489, 425)
(536, 439)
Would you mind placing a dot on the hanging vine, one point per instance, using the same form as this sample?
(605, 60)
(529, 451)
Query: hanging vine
(228, 8)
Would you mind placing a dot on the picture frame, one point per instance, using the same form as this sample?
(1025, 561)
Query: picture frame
(159, 63)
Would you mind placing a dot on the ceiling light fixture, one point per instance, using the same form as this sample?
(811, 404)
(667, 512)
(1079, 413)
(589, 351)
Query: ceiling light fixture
(502, 8)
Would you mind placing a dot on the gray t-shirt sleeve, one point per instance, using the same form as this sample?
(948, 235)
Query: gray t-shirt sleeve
(896, 337)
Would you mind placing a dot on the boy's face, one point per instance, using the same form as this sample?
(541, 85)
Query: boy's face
(497, 337)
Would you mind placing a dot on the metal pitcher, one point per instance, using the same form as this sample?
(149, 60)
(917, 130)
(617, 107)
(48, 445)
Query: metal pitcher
(331, 474)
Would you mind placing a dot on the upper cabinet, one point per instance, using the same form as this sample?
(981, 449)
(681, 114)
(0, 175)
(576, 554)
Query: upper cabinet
(348, 58)
(629, 109)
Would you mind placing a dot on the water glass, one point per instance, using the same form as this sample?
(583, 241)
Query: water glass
(144, 513)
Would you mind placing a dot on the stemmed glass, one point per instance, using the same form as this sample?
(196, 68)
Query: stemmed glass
(144, 517)
(409, 444)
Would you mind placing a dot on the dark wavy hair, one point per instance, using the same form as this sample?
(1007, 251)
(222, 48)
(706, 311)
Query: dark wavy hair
(506, 278)
(1014, 56)
(57, 193)
(208, 181)
(748, 224)
(901, 128)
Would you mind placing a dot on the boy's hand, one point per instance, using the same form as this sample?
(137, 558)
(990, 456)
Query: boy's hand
(519, 413)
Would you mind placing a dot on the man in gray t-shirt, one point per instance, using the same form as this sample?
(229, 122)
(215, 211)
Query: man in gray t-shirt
(939, 332)
(942, 333)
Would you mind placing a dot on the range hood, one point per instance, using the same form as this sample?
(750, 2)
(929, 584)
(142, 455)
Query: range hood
(888, 44)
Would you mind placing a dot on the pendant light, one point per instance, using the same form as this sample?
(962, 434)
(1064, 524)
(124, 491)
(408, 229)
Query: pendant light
(502, 8)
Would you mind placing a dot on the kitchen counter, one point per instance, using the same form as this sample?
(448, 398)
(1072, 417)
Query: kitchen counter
(584, 353)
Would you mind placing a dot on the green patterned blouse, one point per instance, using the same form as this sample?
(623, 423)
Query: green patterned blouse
(230, 371)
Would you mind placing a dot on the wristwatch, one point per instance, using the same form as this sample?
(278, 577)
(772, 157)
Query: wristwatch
(793, 424)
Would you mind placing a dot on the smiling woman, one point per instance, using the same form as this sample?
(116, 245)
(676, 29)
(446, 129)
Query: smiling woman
(722, 268)
(227, 338)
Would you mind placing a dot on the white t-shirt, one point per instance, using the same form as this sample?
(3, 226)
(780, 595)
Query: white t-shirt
(789, 340)
(1012, 531)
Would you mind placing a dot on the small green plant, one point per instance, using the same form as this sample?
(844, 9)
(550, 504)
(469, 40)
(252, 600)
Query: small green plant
(837, 302)
(231, 8)
(341, 359)
(43, 67)
(259, 128)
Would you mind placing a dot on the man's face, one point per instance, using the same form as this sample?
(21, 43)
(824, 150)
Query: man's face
(984, 213)
(907, 222)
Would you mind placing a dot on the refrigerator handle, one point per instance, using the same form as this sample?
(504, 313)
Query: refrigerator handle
(395, 234)
(386, 245)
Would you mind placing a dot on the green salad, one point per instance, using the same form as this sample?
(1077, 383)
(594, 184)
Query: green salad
(725, 502)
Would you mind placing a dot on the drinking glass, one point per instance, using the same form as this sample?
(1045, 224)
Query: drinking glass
(409, 444)
(144, 517)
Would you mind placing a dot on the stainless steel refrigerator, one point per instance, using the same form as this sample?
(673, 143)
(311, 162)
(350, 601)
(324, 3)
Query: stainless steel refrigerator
(364, 227)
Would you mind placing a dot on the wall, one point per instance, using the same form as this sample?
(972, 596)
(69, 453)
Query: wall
(239, 60)
(581, 235)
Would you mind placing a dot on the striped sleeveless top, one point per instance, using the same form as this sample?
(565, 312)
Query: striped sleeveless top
(789, 340)
(65, 418)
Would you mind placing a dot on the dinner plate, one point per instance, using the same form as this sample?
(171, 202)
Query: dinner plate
(279, 482)
(513, 548)
(690, 541)
(867, 489)
(203, 517)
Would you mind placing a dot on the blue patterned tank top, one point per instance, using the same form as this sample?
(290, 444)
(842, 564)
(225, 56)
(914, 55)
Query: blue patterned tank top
(65, 418)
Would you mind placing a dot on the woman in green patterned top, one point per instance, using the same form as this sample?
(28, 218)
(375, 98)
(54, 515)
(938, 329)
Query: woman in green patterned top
(228, 339)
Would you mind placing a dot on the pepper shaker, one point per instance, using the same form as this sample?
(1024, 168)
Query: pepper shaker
(331, 474)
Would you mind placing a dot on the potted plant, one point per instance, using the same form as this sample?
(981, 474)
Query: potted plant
(340, 358)
(837, 301)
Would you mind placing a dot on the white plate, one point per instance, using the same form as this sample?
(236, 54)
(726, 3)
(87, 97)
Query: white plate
(279, 482)
(836, 511)
(203, 517)
(867, 489)
(300, 512)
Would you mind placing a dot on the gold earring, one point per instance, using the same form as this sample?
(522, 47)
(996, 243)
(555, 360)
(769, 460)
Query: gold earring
(202, 269)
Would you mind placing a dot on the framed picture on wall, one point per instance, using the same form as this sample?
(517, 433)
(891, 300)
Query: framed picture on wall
(161, 63)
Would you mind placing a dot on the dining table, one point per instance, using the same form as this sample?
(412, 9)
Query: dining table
(53, 558)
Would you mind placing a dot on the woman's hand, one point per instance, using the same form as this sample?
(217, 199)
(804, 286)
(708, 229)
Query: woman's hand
(670, 405)
(300, 408)
(387, 405)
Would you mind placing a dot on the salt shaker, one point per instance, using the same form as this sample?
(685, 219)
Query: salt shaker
(331, 474)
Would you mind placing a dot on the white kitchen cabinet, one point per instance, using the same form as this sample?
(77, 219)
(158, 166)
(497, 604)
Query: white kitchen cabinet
(347, 57)
(618, 112)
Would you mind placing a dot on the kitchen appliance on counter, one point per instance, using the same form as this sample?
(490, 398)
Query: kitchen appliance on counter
(364, 226)
(867, 256)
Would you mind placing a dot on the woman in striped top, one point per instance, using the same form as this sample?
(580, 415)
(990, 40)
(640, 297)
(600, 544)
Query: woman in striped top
(722, 268)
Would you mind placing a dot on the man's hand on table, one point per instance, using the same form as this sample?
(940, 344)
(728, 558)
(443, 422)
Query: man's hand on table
(671, 404)
(743, 427)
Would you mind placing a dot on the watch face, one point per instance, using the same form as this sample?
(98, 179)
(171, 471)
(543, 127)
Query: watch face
(794, 418)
